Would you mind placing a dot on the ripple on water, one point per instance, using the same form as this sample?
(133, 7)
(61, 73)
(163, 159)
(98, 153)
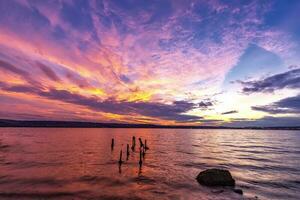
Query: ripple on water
(4, 147)
(109, 181)
(144, 179)
(33, 164)
(41, 181)
(197, 165)
(43, 195)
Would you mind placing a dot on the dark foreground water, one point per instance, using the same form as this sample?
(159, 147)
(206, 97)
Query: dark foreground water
(48, 163)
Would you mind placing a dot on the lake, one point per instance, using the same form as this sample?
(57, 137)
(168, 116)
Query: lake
(66, 163)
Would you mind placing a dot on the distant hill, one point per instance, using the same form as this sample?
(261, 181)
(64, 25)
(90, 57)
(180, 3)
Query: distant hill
(76, 124)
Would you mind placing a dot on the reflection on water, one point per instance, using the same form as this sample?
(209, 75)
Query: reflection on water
(41, 163)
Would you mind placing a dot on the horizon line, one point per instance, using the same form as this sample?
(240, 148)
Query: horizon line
(86, 124)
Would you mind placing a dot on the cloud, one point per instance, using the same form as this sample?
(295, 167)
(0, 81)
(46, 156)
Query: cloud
(290, 105)
(289, 79)
(175, 111)
(19, 72)
(205, 104)
(18, 88)
(125, 79)
(266, 121)
(48, 72)
(229, 112)
(77, 79)
(11, 68)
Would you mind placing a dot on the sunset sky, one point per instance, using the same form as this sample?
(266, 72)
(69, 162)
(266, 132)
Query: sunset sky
(233, 63)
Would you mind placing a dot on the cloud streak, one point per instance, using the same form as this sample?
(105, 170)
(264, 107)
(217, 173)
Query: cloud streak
(48, 72)
(229, 112)
(174, 111)
(290, 105)
(289, 79)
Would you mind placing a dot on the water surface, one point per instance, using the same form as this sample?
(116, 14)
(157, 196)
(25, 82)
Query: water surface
(62, 163)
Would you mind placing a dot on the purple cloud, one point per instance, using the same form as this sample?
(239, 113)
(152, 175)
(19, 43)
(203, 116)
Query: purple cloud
(48, 72)
(289, 79)
(229, 112)
(11, 68)
(290, 105)
(174, 111)
(267, 121)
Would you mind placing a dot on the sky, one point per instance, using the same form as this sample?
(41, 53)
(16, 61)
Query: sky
(175, 62)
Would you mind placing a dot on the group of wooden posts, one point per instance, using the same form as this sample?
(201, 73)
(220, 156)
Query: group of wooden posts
(143, 149)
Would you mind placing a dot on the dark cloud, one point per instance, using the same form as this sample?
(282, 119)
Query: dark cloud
(78, 80)
(164, 111)
(18, 88)
(168, 111)
(269, 109)
(24, 74)
(174, 111)
(48, 72)
(205, 104)
(289, 79)
(28, 116)
(125, 79)
(267, 121)
(229, 112)
(284, 106)
(11, 68)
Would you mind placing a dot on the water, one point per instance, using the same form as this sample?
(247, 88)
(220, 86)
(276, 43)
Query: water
(50, 163)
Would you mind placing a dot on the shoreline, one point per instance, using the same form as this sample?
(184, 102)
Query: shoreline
(4, 123)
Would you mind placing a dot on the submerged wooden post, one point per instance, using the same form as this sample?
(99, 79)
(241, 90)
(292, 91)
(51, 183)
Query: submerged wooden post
(120, 169)
(141, 143)
(120, 159)
(112, 143)
(140, 162)
(128, 151)
(133, 143)
(144, 152)
(146, 147)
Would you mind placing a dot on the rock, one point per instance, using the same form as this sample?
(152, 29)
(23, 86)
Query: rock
(215, 177)
(239, 191)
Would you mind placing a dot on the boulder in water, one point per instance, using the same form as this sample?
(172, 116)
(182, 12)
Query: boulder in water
(215, 177)
(239, 191)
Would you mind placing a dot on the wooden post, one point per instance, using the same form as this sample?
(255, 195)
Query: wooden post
(141, 143)
(120, 159)
(146, 147)
(112, 143)
(128, 151)
(133, 143)
(140, 162)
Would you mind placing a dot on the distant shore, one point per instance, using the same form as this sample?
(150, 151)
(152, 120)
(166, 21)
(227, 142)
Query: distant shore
(77, 124)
